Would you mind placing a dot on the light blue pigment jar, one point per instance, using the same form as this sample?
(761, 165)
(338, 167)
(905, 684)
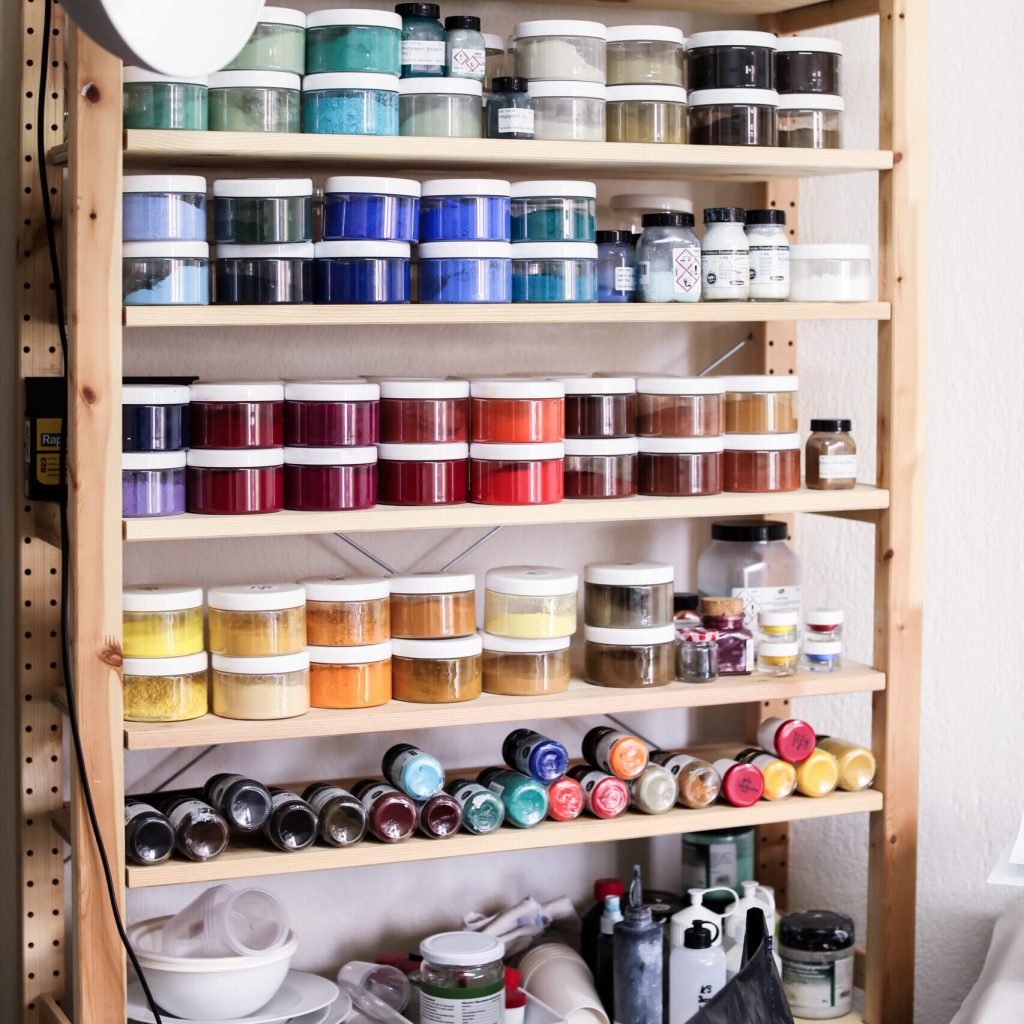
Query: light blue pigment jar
(465, 272)
(371, 209)
(465, 210)
(350, 104)
(354, 40)
(361, 272)
(554, 272)
(165, 273)
(163, 208)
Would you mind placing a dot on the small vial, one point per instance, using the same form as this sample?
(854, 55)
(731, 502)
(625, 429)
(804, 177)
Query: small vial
(697, 656)
(822, 656)
(774, 659)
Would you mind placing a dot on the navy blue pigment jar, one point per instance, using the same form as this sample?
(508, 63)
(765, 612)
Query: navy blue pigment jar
(466, 210)
(154, 417)
(257, 275)
(361, 272)
(371, 209)
(465, 272)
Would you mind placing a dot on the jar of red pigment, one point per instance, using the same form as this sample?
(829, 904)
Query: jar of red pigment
(517, 411)
(423, 474)
(330, 479)
(599, 406)
(331, 413)
(601, 467)
(516, 474)
(762, 463)
(234, 482)
(680, 467)
(236, 415)
(680, 406)
(424, 411)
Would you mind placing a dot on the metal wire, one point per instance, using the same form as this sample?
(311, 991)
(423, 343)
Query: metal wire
(185, 767)
(472, 547)
(390, 570)
(622, 725)
(721, 359)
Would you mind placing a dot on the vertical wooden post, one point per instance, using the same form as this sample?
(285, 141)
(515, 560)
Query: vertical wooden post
(902, 198)
(93, 206)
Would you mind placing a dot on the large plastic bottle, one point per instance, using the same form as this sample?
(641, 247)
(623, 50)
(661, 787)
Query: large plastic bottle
(763, 898)
(637, 960)
(696, 970)
(697, 911)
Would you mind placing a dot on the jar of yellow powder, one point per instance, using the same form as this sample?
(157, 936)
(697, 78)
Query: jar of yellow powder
(161, 620)
(775, 659)
(164, 689)
(260, 688)
(531, 602)
(818, 775)
(257, 620)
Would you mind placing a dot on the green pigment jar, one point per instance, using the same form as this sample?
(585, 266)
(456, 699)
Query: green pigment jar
(163, 101)
(263, 211)
(254, 101)
(278, 43)
(353, 41)
(554, 211)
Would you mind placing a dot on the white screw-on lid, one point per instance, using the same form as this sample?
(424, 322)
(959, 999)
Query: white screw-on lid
(465, 251)
(154, 394)
(277, 664)
(606, 446)
(165, 250)
(790, 649)
(354, 390)
(517, 452)
(517, 645)
(160, 597)
(645, 33)
(177, 183)
(282, 16)
(235, 458)
(657, 93)
(830, 252)
(548, 189)
(441, 86)
(468, 949)
(354, 250)
(256, 597)
(532, 581)
(361, 184)
(580, 90)
(762, 442)
(410, 387)
(810, 101)
(757, 383)
(452, 647)
(255, 80)
(492, 41)
(272, 251)
(598, 385)
(349, 80)
(561, 27)
(734, 97)
(630, 637)
(820, 647)
(700, 40)
(346, 588)
(554, 251)
(141, 76)
(466, 187)
(628, 574)
(262, 188)
(186, 665)
(778, 618)
(237, 391)
(152, 460)
(808, 44)
(680, 386)
(823, 616)
(513, 387)
(682, 445)
(336, 16)
(453, 451)
(330, 456)
(349, 655)
(433, 583)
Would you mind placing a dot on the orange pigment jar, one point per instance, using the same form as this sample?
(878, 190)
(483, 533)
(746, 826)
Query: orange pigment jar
(350, 677)
(517, 411)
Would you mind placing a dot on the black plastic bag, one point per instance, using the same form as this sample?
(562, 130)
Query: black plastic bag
(755, 995)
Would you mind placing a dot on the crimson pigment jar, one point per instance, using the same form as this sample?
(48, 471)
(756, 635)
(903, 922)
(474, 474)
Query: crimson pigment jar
(331, 414)
(517, 411)
(516, 474)
(424, 411)
(601, 468)
(423, 474)
(330, 479)
(762, 463)
(233, 482)
(236, 415)
(680, 467)
(680, 406)
(599, 406)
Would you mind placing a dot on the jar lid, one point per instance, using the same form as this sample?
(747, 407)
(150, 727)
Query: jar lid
(453, 451)
(734, 97)
(831, 426)
(465, 250)
(554, 190)
(599, 446)
(140, 76)
(362, 250)
(467, 949)
(614, 236)
(810, 101)
(554, 251)
(492, 41)
(663, 93)
(346, 588)
(350, 80)
(645, 33)
(817, 648)
(630, 637)
(830, 252)
(531, 581)
(755, 217)
(184, 183)
(452, 647)
(441, 87)
(785, 650)
(362, 655)
(700, 40)
(411, 387)
(628, 574)
(817, 931)
(330, 456)
(262, 188)
(682, 445)
(160, 597)
(511, 387)
(255, 80)
(699, 636)
(518, 645)
(237, 391)
(235, 458)
(282, 16)
(276, 664)
(152, 460)
(750, 530)
(642, 201)
(823, 617)
(680, 386)
(582, 90)
(509, 83)
(778, 618)
(590, 29)
(667, 219)
(466, 187)
(457, 21)
(165, 250)
(376, 19)
(157, 394)
(720, 605)
(598, 385)
(808, 44)
(756, 383)
(762, 442)
(724, 215)
(354, 390)
(271, 251)
(418, 10)
(516, 452)
(256, 597)
(185, 665)
(433, 583)
(361, 184)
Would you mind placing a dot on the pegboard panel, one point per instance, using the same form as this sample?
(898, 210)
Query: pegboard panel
(37, 669)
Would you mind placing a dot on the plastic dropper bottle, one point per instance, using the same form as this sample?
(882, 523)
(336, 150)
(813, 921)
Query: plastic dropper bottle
(696, 971)
(604, 968)
(637, 957)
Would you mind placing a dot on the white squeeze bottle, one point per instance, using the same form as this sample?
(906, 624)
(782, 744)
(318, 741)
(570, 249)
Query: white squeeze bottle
(696, 970)
(696, 911)
(763, 898)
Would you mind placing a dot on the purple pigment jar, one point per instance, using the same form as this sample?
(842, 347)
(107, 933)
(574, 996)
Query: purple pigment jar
(152, 484)
(163, 208)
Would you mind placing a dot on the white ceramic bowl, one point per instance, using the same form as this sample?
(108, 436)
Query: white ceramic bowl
(215, 988)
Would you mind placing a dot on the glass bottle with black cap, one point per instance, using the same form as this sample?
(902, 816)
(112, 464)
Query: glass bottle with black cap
(831, 456)
(669, 258)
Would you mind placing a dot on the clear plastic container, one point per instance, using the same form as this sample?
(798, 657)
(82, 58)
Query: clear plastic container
(525, 668)
(260, 688)
(331, 413)
(516, 474)
(604, 467)
(554, 211)
(616, 267)
(350, 104)
(465, 210)
(628, 595)
(433, 605)
(437, 671)
(822, 655)
(163, 208)
(165, 273)
(441, 107)
(360, 208)
(646, 113)
(509, 109)
(263, 211)
(262, 275)
(154, 417)
(353, 41)
(458, 272)
(424, 411)
(161, 620)
(626, 211)
(761, 463)
(152, 484)
(681, 467)
(645, 55)
(554, 272)
(361, 272)
(600, 407)
(568, 111)
(669, 255)
(776, 627)
(350, 677)
(423, 474)
(257, 620)
(347, 611)
(530, 602)
(823, 624)
(761, 404)
(152, 100)
(232, 482)
(561, 51)
(496, 64)
(732, 117)
(164, 689)
(680, 406)
(457, 966)
(629, 658)
(255, 101)
(830, 273)
(808, 64)
(697, 656)
(778, 659)
(811, 121)
(731, 60)
(517, 411)
(330, 479)
(236, 414)
(277, 43)
(223, 922)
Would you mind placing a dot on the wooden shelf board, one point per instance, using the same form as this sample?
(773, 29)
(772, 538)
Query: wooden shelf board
(384, 518)
(579, 700)
(254, 861)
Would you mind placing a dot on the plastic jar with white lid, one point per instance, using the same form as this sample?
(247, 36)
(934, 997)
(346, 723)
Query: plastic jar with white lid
(561, 51)
(235, 481)
(255, 101)
(628, 595)
(725, 256)
(164, 689)
(459, 272)
(530, 602)
(423, 474)
(367, 208)
(331, 413)
(257, 620)
(808, 64)
(494, 50)
(761, 403)
(339, 103)
(437, 671)
(277, 43)
(761, 463)
(330, 479)
(680, 406)
(830, 273)
(449, 108)
(627, 210)
(163, 208)
(731, 60)
(257, 689)
(423, 411)
(554, 272)
(602, 467)
(361, 272)
(525, 668)
(262, 211)
(165, 273)
(236, 414)
(457, 966)
(732, 117)
(152, 484)
(353, 41)
(433, 605)
(554, 211)
(681, 467)
(568, 111)
(161, 620)
(154, 417)
(350, 677)
(344, 611)
(258, 275)
(645, 113)
(465, 210)
(629, 658)
(811, 121)
(517, 411)
(645, 55)
(600, 407)
(517, 474)
(769, 255)
(155, 101)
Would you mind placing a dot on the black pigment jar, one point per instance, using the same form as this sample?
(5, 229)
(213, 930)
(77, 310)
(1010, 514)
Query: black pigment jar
(253, 275)
(730, 60)
(733, 117)
(808, 64)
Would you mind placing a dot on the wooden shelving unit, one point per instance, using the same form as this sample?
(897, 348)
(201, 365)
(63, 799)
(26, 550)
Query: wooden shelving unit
(95, 151)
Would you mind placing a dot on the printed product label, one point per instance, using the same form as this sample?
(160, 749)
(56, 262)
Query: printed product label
(837, 467)
(515, 121)
(589, 783)
(48, 443)
(769, 264)
(371, 795)
(686, 270)
(396, 765)
(482, 1005)
(187, 807)
(645, 272)
(758, 758)
(318, 800)
(423, 52)
(817, 986)
(676, 762)
(523, 750)
(278, 799)
(465, 61)
(706, 866)
(464, 791)
(625, 279)
(766, 599)
(134, 810)
(725, 271)
(217, 793)
(603, 750)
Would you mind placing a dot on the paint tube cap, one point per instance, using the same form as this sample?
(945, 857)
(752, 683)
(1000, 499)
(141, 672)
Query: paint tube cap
(462, 949)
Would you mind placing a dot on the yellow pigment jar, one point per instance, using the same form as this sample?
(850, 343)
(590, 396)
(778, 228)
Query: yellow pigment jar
(164, 689)
(257, 620)
(857, 765)
(161, 620)
(779, 776)
(818, 775)
(530, 602)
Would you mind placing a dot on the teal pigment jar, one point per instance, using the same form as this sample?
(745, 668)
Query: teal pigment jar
(353, 41)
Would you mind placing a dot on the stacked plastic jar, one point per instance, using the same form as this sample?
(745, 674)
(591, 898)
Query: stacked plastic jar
(762, 445)
(164, 102)
(823, 640)
(807, 76)
(646, 98)
(778, 645)
(154, 439)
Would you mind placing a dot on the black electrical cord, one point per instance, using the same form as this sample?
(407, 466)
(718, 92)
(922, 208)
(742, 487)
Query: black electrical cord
(65, 553)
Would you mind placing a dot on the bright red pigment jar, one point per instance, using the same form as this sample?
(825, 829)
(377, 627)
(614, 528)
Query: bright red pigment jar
(330, 479)
(236, 415)
(331, 414)
(235, 482)
(516, 474)
(565, 799)
(424, 411)
(423, 474)
(742, 784)
(517, 411)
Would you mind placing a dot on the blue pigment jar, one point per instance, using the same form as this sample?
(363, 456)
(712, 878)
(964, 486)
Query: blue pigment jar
(371, 209)
(465, 210)
(353, 40)
(413, 771)
(257, 275)
(163, 208)
(554, 272)
(361, 272)
(350, 104)
(535, 755)
(616, 267)
(554, 211)
(465, 272)
(154, 417)
(165, 273)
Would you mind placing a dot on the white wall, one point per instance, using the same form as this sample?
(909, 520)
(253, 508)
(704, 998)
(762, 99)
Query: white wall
(968, 799)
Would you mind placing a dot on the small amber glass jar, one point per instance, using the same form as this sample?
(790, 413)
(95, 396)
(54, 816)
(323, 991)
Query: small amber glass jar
(433, 605)
(761, 404)
(761, 463)
(257, 620)
(525, 668)
(679, 406)
(347, 611)
(629, 658)
(437, 671)
(831, 456)
(350, 677)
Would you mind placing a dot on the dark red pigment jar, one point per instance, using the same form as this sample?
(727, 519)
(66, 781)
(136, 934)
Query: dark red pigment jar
(330, 479)
(680, 467)
(440, 816)
(601, 468)
(424, 411)
(517, 474)
(236, 415)
(235, 482)
(423, 474)
(565, 799)
(599, 406)
(331, 414)
(391, 816)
